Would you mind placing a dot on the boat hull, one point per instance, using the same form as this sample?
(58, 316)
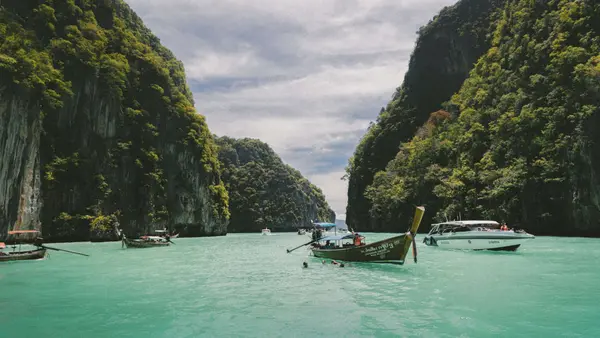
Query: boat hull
(23, 255)
(136, 244)
(500, 242)
(392, 250)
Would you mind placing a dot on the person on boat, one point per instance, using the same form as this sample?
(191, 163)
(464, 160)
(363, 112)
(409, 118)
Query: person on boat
(315, 236)
(357, 241)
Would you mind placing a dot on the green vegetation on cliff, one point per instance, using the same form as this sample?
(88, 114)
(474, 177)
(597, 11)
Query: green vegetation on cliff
(445, 52)
(264, 191)
(121, 139)
(519, 142)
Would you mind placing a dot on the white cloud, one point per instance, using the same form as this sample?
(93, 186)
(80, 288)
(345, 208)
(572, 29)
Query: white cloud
(334, 189)
(205, 66)
(304, 76)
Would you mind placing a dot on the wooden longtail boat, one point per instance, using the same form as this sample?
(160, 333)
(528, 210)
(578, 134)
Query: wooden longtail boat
(38, 253)
(22, 255)
(165, 233)
(144, 242)
(392, 250)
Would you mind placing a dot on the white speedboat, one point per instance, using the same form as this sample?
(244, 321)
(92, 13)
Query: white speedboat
(475, 235)
(266, 232)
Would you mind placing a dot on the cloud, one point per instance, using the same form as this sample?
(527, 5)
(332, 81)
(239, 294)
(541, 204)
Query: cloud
(333, 187)
(306, 77)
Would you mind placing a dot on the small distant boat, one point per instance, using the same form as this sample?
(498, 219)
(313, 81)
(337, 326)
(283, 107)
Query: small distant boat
(325, 228)
(144, 242)
(392, 250)
(301, 232)
(165, 233)
(476, 235)
(266, 232)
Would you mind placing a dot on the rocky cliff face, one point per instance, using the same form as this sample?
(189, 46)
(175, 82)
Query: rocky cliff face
(98, 128)
(265, 192)
(445, 52)
(20, 131)
(518, 141)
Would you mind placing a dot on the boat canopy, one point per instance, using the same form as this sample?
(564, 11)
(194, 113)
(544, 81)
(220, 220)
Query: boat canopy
(468, 223)
(152, 237)
(339, 237)
(462, 224)
(325, 225)
(15, 232)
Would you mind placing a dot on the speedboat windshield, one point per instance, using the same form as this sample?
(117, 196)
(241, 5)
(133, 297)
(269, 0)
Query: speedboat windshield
(458, 226)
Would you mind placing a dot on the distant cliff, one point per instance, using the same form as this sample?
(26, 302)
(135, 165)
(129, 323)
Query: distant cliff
(518, 141)
(97, 126)
(445, 52)
(265, 192)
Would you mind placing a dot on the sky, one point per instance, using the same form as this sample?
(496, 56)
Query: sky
(305, 76)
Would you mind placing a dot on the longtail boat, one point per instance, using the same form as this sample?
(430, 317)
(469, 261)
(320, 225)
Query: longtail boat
(392, 250)
(145, 242)
(38, 253)
(21, 255)
(165, 233)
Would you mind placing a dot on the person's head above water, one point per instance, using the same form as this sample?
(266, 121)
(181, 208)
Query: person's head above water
(305, 265)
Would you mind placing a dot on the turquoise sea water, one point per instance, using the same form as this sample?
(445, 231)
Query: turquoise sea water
(246, 285)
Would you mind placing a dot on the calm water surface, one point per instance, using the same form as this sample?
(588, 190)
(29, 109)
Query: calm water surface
(248, 286)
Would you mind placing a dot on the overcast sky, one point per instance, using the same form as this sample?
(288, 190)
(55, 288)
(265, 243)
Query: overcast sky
(305, 76)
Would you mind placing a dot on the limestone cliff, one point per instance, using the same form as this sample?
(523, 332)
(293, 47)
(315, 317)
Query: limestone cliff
(518, 141)
(97, 128)
(445, 51)
(265, 192)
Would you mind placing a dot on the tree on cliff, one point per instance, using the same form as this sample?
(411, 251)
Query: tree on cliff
(521, 143)
(445, 52)
(264, 191)
(106, 119)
